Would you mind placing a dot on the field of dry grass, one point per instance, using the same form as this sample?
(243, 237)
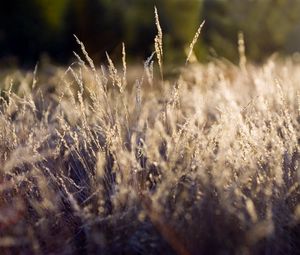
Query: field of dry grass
(94, 162)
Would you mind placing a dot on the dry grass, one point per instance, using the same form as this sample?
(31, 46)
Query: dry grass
(205, 164)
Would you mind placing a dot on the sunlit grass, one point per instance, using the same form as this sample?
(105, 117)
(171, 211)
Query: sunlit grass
(93, 162)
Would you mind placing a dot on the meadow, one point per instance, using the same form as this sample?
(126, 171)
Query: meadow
(96, 160)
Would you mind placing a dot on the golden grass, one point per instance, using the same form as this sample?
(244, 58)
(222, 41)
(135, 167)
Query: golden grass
(209, 165)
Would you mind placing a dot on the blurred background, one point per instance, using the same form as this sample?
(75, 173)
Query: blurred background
(35, 29)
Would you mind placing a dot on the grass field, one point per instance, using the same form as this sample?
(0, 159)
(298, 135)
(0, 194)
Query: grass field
(207, 162)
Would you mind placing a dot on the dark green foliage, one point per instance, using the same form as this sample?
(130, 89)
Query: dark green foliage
(269, 26)
(97, 23)
(30, 29)
(26, 33)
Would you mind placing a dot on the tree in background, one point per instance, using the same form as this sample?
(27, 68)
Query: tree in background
(269, 26)
(139, 27)
(29, 28)
(53, 13)
(20, 23)
(33, 27)
(98, 23)
(220, 29)
(181, 20)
